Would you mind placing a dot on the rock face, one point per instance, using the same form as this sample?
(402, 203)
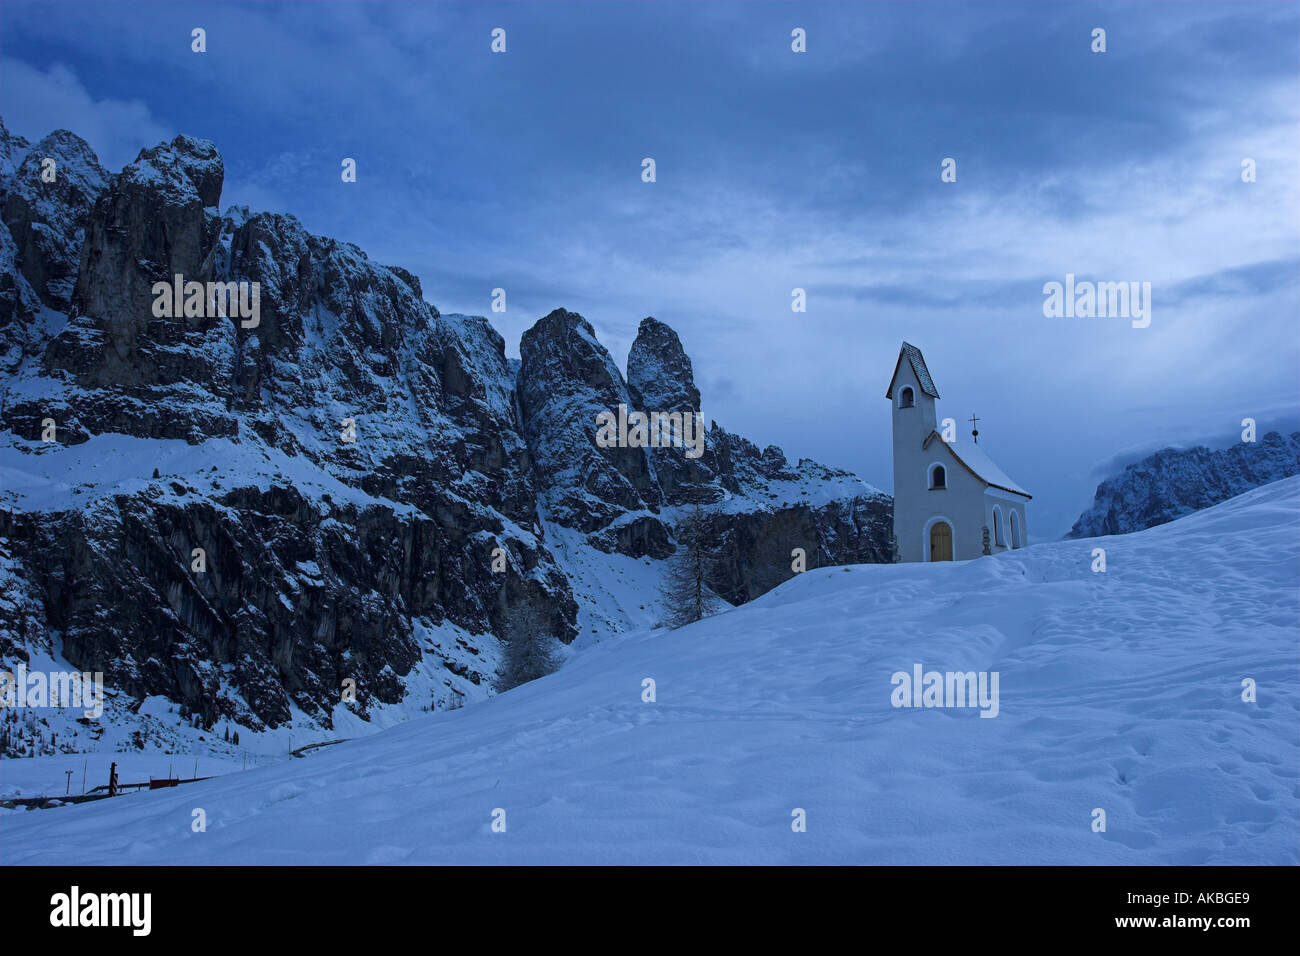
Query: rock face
(659, 371)
(324, 557)
(1175, 482)
(243, 516)
(565, 378)
(46, 192)
(47, 219)
(661, 379)
(157, 218)
(627, 500)
(771, 508)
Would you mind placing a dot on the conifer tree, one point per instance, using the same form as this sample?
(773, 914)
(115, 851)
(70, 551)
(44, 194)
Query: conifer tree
(685, 591)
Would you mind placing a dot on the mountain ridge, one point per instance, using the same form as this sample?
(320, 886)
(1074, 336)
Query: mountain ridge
(327, 558)
(1173, 482)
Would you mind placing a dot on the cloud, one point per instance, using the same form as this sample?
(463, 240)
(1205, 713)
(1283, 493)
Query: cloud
(776, 170)
(35, 102)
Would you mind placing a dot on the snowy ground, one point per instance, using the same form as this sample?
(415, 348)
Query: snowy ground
(47, 776)
(1119, 691)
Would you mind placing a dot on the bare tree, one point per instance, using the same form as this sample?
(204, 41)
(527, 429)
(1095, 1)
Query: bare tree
(685, 590)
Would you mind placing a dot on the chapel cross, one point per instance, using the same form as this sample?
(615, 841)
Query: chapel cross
(974, 432)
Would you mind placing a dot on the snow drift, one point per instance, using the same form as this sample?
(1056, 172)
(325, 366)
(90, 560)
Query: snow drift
(1120, 691)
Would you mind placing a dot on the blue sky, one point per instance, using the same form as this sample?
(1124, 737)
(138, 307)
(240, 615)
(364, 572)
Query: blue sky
(775, 170)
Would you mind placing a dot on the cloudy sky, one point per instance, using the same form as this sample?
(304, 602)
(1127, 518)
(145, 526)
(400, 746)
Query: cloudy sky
(776, 170)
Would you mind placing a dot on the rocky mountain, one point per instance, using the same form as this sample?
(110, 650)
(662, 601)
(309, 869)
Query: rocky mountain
(248, 514)
(47, 219)
(627, 500)
(1174, 482)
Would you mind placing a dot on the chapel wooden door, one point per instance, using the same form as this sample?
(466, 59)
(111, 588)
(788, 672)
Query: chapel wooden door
(940, 542)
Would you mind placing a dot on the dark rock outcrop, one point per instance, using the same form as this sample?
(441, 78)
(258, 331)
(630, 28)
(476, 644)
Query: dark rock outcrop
(660, 371)
(566, 378)
(628, 499)
(47, 219)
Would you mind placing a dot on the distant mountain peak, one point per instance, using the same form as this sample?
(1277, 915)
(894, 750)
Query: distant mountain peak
(1173, 482)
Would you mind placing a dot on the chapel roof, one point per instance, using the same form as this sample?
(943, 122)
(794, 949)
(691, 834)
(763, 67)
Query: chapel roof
(979, 464)
(913, 355)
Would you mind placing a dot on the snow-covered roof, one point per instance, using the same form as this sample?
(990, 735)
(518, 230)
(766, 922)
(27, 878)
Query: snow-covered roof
(917, 362)
(979, 464)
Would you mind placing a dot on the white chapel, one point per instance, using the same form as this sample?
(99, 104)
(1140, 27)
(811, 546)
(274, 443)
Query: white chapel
(951, 502)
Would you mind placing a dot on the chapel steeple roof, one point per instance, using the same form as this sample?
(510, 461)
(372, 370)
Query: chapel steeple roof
(917, 360)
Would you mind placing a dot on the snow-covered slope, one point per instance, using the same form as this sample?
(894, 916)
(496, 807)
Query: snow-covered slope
(1119, 690)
